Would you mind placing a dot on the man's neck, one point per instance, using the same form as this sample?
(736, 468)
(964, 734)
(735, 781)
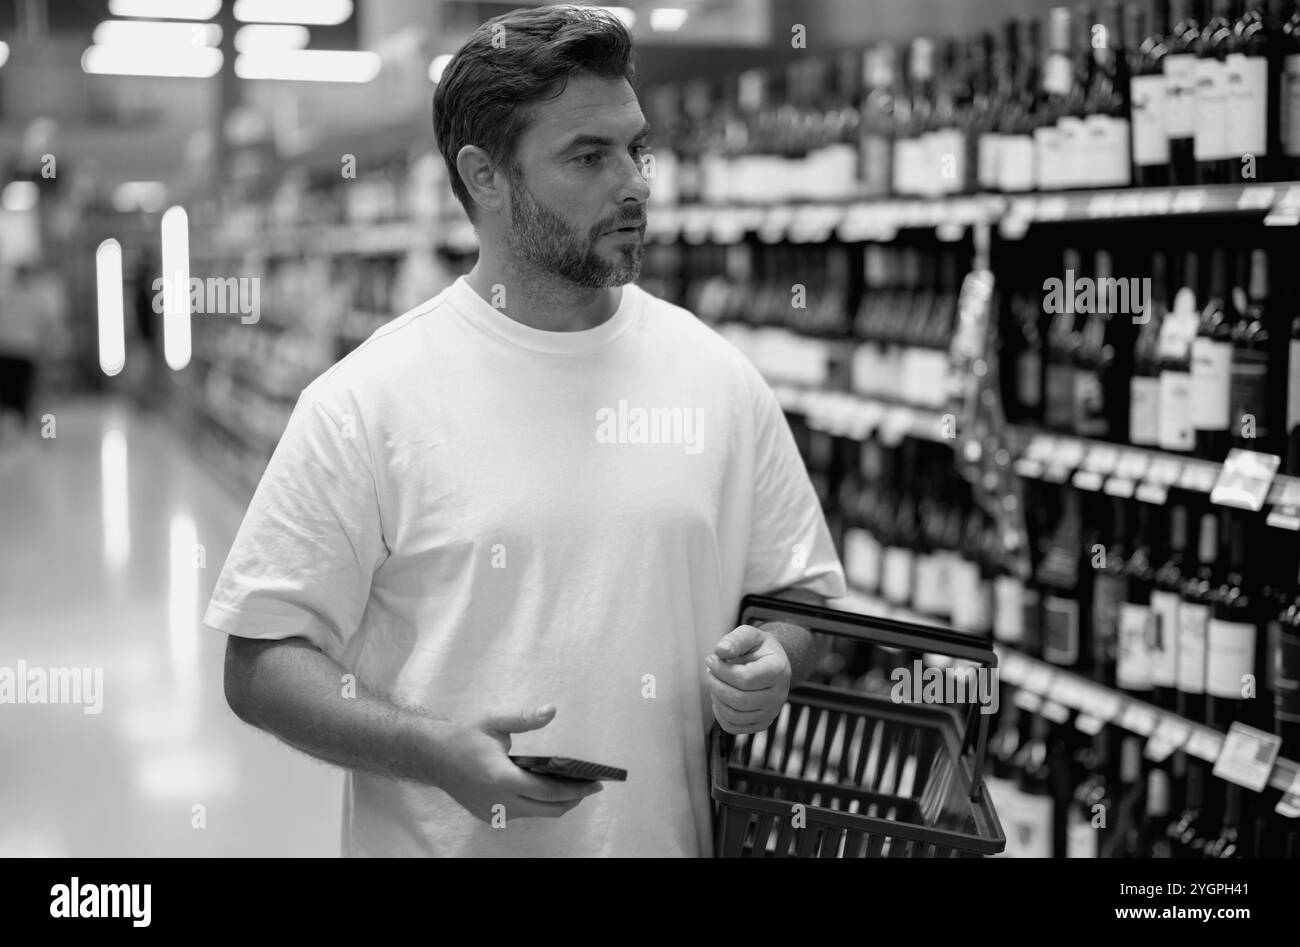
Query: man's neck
(541, 300)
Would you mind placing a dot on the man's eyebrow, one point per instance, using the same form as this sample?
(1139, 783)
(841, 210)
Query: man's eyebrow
(601, 141)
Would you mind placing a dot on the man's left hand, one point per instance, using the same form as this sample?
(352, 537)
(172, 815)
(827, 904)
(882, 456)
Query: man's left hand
(748, 675)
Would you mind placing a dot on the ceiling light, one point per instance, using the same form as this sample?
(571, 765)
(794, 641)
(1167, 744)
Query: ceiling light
(667, 19)
(438, 66)
(166, 9)
(260, 37)
(19, 196)
(309, 65)
(181, 62)
(311, 12)
(148, 34)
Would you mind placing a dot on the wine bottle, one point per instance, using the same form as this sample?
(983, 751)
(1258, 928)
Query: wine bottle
(1177, 431)
(1289, 95)
(1154, 836)
(1106, 104)
(1063, 575)
(1063, 342)
(1184, 47)
(1254, 64)
(1235, 681)
(1133, 671)
(1109, 592)
(1200, 592)
(1212, 364)
(1088, 831)
(1017, 168)
(1053, 119)
(1144, 386)
(1210, 142)
(1249, 414)
(877, 124)
(1148, 99)
(1166, 602)
(1127, 826)
(992, 97)
(1293, 400)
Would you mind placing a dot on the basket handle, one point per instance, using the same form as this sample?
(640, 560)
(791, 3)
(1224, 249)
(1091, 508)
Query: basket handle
(869, 628)
(887, 631)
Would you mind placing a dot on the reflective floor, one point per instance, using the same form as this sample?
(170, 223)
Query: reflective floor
(112, 534)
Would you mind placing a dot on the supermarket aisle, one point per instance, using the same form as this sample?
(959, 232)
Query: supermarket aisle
(111, 537)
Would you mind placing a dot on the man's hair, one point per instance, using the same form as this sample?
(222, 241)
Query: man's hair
(485, 93)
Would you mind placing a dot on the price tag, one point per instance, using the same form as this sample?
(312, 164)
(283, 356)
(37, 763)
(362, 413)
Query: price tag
(1013, 228)
(1287, 517)
(1066, 689)
(1069, 452)
(1195, 477)
(1156, 203)
(1119, 487)
(1028, 468)
(1053, 208)
(1255, 197)
(1139, 718)
(1057, 713)
(1027, 701)
(1102, 206)
(1286, 776)
(896, 425)
(1011, 667)
(1152, 493)
(1204, 743)
(1289, 805)
(727, 227)
(1190, 200)
(1244, 479)
(1086, 723)
(1248, 756)
(1285, 500)
(1132, 464)
(1042, 447)
(1105, 704)
(1087, 480)
(1039, 678)
(1102, 459)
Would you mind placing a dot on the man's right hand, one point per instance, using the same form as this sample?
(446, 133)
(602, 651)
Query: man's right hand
(476, 770)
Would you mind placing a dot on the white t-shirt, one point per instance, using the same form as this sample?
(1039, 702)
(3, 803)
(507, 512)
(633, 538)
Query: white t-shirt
(473, 515)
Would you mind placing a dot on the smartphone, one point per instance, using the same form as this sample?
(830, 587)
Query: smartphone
(562, 767)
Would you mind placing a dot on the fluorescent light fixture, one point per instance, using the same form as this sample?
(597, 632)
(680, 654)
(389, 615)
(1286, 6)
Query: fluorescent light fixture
(108, 276)
(309, 65)
(19, 196)
(145, 35)
(260, 37)
(667, 19)
(166, 9)
(176, 287)
(625, 14)
(183, 603)
(115, 499)
(147, 196)
(438, 66)
(4, 53)
(174, 63)
(310, 12)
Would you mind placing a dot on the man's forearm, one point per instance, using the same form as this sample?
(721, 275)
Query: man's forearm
(294, 691)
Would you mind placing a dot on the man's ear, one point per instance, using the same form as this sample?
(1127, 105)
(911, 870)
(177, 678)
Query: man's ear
(483, 182)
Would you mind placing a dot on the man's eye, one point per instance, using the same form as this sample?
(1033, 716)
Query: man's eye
(589, 158)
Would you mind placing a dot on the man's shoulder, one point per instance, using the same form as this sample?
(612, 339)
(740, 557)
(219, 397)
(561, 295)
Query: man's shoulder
(679, 325)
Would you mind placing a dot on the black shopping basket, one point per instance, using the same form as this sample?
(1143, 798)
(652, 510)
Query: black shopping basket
(845, 774)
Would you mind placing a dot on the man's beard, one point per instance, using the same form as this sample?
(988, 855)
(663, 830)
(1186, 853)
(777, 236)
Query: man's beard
(542, 239)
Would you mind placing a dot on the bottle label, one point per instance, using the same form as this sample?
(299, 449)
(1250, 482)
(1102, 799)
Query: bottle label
(1249, 393)
(1059, 411)
(1229, 657)
(896, 578)
(1176, 430)
(1136, 638)
(1211, 137)
(1211, 383)
(1286, 675)
(1150, 141)
(1291, 105)
(987, 161)
(1121, 171)
(1016, 171)
(926, 572)
(949, 154)
(1144, 411)
(1009, 609)
(1164, 638)
(1029, 378)
(862, 560)
(1180, 96)
(873, 164)
(1248, 105)
(1081, 838)
(1108, 593)
(1293, 387)
(1089, 405)
(1074, 156)
(1193, 623)
(1097, 159)
(965, 595)
(1060, 631)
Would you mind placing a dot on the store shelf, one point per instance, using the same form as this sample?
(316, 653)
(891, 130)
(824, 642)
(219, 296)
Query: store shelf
(854, 416)
(386, 238)
(1278, 203)
(1054, 692)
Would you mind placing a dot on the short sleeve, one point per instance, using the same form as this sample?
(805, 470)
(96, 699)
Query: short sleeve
(790, 545)
(302, 561)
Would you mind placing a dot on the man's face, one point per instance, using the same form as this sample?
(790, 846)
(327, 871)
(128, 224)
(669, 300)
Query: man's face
(577, 180)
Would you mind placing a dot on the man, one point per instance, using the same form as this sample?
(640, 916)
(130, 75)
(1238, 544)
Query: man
(523, 514)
